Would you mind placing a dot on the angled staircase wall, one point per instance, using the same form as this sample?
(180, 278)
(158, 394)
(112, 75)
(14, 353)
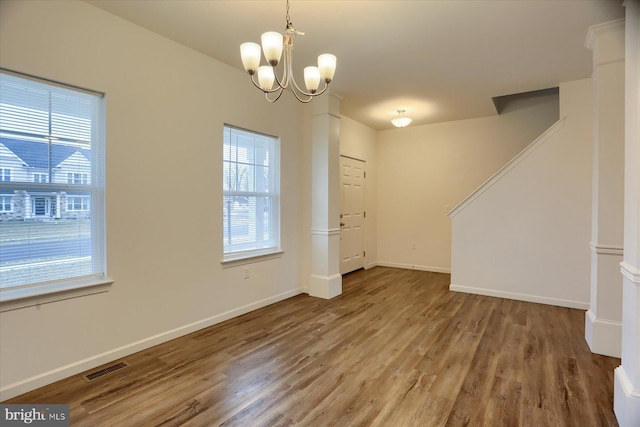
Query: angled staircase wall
(524, 234)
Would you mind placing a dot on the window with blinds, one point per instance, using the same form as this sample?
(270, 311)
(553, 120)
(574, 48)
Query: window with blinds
(52, 183)
(251, 203)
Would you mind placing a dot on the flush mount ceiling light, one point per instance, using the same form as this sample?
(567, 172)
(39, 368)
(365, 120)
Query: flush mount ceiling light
(273, 44)
(402, 120)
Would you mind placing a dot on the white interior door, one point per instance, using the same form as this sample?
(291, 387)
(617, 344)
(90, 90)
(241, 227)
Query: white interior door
(352, 214)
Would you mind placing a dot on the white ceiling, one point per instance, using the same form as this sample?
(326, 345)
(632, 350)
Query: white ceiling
(438, 60)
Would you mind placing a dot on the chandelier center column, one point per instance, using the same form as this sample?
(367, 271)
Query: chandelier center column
(325, 280)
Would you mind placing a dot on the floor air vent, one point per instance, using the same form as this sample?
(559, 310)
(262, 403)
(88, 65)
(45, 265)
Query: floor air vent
(104, 371)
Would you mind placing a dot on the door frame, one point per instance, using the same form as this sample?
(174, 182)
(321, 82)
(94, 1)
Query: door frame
(364, 222)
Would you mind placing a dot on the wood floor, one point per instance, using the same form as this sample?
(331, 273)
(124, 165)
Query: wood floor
(396, 349)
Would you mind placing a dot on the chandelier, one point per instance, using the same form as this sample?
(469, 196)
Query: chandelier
(402, 120)
(264, 76)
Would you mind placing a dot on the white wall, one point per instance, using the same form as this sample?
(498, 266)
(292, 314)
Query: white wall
(359, 141)
(426, 170)
(166, 106)
(527, 235)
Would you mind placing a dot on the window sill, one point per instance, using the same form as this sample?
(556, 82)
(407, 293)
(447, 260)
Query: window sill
(242, 258)
(13, 299)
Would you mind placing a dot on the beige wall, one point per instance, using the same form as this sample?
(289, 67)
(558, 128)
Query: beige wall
(426, 170)
(166, 106)
(526, 234)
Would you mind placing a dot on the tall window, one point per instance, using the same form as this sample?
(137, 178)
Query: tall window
(251, 202)
(52, 207)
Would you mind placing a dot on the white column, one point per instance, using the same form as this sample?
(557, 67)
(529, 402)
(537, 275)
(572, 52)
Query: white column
(58, 206)
(626, 398)
(603, 322)
(325, 280)
(27, 205)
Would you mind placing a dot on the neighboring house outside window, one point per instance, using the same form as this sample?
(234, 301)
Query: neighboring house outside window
(51, 188)
(251, 198)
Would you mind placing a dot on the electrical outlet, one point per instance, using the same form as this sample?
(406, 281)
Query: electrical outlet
(413, 245)
(246, 272)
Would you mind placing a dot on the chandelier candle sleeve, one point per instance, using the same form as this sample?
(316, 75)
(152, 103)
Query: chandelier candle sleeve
(312, 78)
(272, 44)
(250, 53)
(327, 66)
(265, 77)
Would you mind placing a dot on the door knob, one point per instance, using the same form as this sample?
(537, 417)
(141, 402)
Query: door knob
(342, 224)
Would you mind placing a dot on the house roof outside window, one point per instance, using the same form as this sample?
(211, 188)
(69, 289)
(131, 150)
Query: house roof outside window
(36, 154)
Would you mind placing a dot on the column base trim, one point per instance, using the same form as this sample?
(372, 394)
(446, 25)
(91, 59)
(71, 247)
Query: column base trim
(603, 336)
(626, 400)
(326, 287)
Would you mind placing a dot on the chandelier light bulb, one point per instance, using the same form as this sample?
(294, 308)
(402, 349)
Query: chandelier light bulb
(312, 78)
(266, 77)
(327, 66)
(272, 44)
(250, 53)
(401, 121)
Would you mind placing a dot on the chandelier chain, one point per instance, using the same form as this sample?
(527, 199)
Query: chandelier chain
(288, 17)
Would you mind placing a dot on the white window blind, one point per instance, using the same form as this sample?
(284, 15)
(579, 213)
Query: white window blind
(51, 225)
(251, 202)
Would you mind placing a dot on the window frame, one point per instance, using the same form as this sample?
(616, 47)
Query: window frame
(40, 178)
(74, 178)
(3, 203)
(5, 174)
(75, 200)
(242, 255)
(29, 294)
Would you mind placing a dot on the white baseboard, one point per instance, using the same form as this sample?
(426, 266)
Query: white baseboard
(325, 287)
(414, 267)
(520, 297)
(603, 336)
(79, 366)
(626, 400)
